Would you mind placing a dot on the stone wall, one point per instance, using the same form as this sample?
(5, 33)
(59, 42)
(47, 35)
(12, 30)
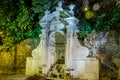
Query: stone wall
(106, 47)
(103, 43)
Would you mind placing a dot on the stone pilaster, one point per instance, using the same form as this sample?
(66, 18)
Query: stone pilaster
(45, 51)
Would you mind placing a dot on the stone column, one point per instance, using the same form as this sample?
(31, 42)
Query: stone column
(72, 21)
(68, 59)
(45, 51)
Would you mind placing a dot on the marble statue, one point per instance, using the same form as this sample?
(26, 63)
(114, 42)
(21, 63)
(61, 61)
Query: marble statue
(71, 7)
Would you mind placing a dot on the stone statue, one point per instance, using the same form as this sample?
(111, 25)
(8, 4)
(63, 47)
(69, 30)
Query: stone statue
(45, 17)
(59, 8)
(71, 7)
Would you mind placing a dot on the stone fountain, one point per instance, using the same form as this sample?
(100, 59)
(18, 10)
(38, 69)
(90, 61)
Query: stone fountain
(59, 51)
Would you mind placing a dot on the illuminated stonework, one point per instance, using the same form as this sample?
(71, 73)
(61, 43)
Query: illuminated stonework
(59, 51)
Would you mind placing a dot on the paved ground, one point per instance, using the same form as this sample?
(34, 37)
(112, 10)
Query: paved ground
(13, 77)
(19, 77)
(23, 77)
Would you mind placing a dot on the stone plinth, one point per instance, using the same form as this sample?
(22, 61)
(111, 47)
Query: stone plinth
(86, 68)
(32, 66)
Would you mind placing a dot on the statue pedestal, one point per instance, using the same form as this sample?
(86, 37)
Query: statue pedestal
(86, 68)
(32, 66)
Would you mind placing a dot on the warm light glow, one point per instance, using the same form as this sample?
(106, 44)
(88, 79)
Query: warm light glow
(0, 33)
(86, 8)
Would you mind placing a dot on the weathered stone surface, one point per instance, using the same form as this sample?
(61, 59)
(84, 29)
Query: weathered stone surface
(32, 66)
(86, 68)
(106, 47)
(113, 51)
(103, 42)
(117, 62)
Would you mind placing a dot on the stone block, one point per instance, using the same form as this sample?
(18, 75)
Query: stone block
(32, 66)
(86, 68)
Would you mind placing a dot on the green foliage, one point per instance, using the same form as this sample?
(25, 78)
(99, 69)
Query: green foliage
(118, 3)
(106, 18)
(19, 19)
(85, 29)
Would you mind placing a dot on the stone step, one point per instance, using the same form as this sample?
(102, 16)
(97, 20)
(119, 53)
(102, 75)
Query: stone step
(54, 79)
(65, 79)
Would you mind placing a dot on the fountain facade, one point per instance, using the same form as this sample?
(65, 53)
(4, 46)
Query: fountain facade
(59, 51)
